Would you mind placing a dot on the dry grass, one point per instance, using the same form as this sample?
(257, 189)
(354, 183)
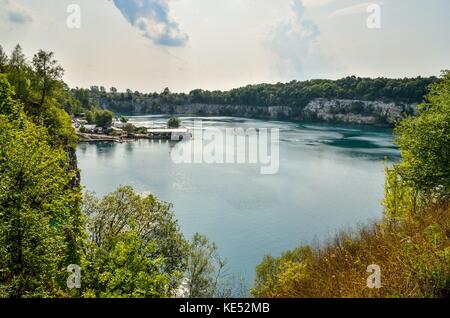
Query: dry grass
(413, 254)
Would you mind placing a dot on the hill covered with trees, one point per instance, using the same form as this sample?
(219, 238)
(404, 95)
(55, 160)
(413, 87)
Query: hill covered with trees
(354, 95)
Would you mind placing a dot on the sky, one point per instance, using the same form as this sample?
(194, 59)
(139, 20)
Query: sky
(148, 45)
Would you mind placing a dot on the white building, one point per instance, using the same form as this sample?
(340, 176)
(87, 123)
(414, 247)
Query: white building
(89, 128)
(177, 134)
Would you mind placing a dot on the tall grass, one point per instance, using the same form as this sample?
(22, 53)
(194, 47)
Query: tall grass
(413, 253)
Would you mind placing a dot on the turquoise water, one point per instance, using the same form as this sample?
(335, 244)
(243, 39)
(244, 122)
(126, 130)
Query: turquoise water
(330, 177)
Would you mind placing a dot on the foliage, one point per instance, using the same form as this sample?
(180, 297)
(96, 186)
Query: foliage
(90, 117)
(128, 245)
(424, 142)
(129, 128)
(3, 61)
(135, 246)
(295, 94)
(131, 269)
(37, 224)
(44, 96)
(174, 122)
(8, 107)
(19, 73)
(104, 118)
(205, 270)
(100, 117)
(47, 74)
(271, 269)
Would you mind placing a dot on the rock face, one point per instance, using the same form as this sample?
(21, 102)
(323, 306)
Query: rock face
(271, 112)
(357, 111)
(320, 109)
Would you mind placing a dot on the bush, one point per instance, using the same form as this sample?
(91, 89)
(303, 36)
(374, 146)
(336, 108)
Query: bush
(174, 122)
(104, 118)
(135, 249)
(129, 128)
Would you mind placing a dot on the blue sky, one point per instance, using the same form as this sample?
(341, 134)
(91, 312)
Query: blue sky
(148, 45)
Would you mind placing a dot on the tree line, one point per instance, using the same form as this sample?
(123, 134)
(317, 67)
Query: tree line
(295, 94)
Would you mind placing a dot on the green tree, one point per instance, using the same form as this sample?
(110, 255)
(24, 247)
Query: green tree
(90, 117)
(18, 73)
(34, 212)
(3, 61)
(8, 106)
(129, 271)
(59, 126)
(174, 122)
(205, 271)
(134, 241)
(47, 74)
(39, 226)
(269, 271)
(424, 142)
(104, 118)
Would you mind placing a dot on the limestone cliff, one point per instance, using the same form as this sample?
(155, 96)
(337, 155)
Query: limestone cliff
(320, 109)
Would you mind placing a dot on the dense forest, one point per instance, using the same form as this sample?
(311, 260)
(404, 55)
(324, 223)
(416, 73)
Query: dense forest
(295, 94)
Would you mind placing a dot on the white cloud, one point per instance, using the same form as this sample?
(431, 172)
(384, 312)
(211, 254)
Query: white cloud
(153, 19)
(294, 40)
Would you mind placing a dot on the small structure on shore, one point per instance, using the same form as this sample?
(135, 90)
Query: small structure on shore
(90, 129)
(175, 134)
(118, 124)
(120, 131)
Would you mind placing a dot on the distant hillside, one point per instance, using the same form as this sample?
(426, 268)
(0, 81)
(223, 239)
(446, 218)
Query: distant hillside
(351, 99)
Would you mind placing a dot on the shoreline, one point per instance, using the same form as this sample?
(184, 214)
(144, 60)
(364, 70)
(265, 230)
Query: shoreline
(83, 137)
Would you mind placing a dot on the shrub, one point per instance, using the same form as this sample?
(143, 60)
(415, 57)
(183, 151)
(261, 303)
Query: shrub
(174, 122)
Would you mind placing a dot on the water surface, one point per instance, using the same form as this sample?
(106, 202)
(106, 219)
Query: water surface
(330, 177)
